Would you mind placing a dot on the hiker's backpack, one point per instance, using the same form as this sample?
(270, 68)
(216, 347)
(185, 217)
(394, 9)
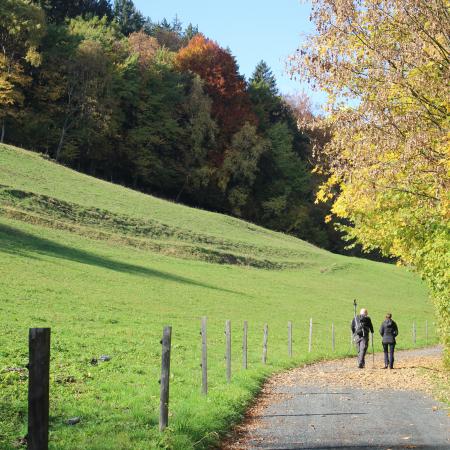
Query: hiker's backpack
(359, 327)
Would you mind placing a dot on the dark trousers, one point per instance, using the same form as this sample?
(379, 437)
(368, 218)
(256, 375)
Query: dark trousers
(389, 355)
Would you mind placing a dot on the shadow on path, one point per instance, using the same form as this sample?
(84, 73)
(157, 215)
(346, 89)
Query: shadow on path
(17, 242)
(307, 415)
(353, 447)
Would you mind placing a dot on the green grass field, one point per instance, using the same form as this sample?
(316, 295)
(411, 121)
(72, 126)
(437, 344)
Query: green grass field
(106, 268)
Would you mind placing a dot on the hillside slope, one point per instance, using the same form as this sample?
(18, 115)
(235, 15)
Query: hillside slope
(106, 267)
(29, 182)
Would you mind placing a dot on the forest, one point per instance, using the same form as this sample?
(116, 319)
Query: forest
(161, 108)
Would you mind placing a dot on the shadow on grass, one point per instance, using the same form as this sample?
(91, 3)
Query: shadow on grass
(18, 242)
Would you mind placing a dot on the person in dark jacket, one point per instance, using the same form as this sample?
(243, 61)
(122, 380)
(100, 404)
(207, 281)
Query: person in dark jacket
(361, 329)
(389, 332)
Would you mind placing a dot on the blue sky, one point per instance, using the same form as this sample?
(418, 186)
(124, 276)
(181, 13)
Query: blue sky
(252, 29)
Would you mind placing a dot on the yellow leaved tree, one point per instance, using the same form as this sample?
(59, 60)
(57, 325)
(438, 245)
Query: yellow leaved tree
(385, 67)
(22, 26)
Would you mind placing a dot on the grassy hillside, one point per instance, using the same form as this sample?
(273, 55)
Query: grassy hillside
(106, 267)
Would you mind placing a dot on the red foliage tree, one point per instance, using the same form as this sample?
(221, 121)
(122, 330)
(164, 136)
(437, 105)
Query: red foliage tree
(218, 69)
(145, 46)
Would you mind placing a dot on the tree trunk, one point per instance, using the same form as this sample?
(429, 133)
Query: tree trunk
(2, 136)
(61, 140)
(182, 189)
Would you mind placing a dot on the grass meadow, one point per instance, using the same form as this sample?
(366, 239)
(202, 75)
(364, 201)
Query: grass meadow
(106, 268)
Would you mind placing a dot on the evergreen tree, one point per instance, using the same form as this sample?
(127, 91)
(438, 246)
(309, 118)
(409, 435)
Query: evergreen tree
(57, 11)
(127, 16)
(263, 76)
(168, 34)
(190, 32)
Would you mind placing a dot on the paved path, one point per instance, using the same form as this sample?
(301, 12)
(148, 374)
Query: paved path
(333, 405)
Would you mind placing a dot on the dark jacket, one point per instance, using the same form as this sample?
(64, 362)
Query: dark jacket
(366, 324)
(389, 331)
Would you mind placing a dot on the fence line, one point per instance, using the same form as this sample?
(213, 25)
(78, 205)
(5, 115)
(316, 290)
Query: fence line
(39, 370)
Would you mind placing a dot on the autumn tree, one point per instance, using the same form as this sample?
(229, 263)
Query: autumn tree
(168, 34)
(22, 27)
(385, 67)
(240, 167)
(157, 136)
(144, 46)
(201, 139)
(76, 81)
(219, 71)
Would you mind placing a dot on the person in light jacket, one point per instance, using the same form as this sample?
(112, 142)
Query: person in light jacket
(361, 329)
(388, 331)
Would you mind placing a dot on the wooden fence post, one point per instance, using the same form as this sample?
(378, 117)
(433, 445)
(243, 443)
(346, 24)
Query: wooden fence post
(426, 332)
(332, 337)
(244, 345)
(414, 333)
(204, 357)
(310, 335)
(165, 378)
(290, 338)
(351, 340)
(38, 388)
(266, 334)
(228, 349)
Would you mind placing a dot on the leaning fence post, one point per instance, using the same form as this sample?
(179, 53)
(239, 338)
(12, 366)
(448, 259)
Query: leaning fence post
(38, 388)
(426, 332)
(165, 377)
(290, 338)
(204, 358)
(244, 345)
(332, 336)
(228, 349)
(310, 335)
(264, 354)
(414, 333)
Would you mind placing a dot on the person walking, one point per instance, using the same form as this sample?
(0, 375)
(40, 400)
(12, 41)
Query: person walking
(361, 329)
(388, 331)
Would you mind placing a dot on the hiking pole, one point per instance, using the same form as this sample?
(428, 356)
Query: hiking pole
(354, 315)
(373, 354)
